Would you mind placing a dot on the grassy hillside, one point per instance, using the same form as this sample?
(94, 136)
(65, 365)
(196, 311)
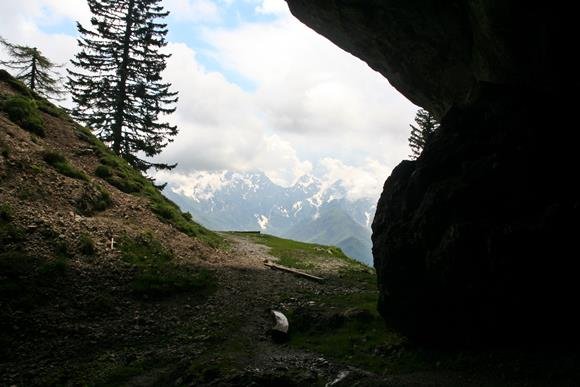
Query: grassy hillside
(334, 227)
(86, 244)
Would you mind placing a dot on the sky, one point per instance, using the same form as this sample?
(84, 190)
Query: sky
(258, 90)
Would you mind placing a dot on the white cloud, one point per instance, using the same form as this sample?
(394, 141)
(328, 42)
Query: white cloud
(25, 20)
(220, 126)
(272, 7)
(364, 181)
(314, 107)
(322, 100)
(41, 12)
(198, 185)
(193, 10)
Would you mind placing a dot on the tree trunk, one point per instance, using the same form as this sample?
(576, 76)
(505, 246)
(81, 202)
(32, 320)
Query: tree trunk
(122, 92)
(33, 70)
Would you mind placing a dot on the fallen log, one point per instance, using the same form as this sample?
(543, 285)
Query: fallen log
(293, 271)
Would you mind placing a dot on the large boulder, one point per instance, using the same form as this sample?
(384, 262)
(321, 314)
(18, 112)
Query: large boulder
(475, 242)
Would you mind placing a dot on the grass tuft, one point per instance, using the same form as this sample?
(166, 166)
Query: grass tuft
(103, 172)
(86, 245)
(51, 109)
(5, 213)
(93, 200)
(4, 151)
(53, 268)
(158, 276)
(16, 85)
(9, 233)
(23, 111)
(61, 164)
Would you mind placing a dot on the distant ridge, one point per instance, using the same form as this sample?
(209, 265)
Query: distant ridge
(308, 211)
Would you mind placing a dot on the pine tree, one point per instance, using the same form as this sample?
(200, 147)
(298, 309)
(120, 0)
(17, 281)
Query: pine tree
(422, 133)
(117, 89)
(34, 69)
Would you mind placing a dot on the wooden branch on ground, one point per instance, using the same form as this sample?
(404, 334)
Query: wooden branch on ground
(293, 271)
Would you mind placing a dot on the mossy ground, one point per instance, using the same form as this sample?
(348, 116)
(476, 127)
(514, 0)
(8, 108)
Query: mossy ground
(24, 112)
(300, 255)
(63, 166)
(117, 172)
(158, 275)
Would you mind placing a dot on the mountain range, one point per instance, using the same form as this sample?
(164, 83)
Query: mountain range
(310, 210)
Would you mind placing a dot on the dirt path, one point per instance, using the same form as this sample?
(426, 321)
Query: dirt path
(97, 333)
(249, 291)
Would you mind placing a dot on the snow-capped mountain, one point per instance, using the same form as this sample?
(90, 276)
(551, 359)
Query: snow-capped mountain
(310, 210)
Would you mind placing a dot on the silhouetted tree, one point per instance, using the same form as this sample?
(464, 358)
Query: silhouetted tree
(34, 69)
(422, 133)
(116, 85)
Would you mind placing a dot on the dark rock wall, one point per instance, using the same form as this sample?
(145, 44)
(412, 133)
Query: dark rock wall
(476, 242)
(436, 52)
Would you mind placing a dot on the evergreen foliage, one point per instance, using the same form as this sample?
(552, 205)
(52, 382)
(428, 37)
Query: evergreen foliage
(116, 85)
(34, 69)
(422, 133)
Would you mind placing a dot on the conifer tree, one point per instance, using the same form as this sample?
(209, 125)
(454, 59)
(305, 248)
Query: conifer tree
(422, 133)
(116, 84)
(34, 69)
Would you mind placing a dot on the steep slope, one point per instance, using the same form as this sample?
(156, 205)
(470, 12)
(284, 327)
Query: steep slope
(85, 241)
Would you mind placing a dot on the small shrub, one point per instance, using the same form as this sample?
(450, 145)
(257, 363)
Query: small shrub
(61, 248)
(109, 161)
(4, 151)
(61, 164)
(53, 158)
(9, 233)
(165, 211)
(51, 109)
(5, 213)
(103, 172)
(144, 250)
(52, 268)
(93, 200)
(84, 134)
(86, 245)
(16, 85)
(30, 194)
(104, 200)
(124, 184)
(24, 112)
